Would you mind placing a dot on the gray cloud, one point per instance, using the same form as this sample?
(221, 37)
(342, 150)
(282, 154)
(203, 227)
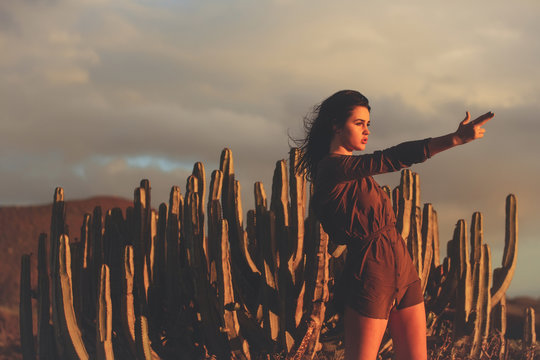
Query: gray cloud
(96, 96)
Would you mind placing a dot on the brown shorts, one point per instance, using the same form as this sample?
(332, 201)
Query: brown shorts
(380, 309)
(378, 278)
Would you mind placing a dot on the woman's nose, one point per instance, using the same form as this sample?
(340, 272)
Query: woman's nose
(366, 131)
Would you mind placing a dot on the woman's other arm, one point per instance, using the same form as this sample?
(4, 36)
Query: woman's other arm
(467, 131)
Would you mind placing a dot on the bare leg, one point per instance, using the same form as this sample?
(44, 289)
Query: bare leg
(408, 331)
(363, 335)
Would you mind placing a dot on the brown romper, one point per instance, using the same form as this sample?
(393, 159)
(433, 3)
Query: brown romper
(354, 210)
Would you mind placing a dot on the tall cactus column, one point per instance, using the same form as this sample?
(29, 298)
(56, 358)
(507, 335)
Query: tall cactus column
(45, 336)
(503, 276)
(529, 330)
(104, 349)
(71, 337)
(25, 311)
(482, 304)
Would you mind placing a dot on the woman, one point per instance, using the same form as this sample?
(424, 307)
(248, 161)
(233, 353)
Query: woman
(379, 285)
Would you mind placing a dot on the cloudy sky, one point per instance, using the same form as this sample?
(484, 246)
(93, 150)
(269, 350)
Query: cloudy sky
(96, 95)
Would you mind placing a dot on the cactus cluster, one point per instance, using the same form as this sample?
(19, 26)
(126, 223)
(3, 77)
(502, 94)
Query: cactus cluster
(189, 278)
(192, 280)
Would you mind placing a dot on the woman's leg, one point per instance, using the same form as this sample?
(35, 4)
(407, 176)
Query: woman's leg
(408, 330)
(363, 335)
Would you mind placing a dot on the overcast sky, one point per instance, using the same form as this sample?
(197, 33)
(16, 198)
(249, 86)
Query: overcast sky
(96, 95)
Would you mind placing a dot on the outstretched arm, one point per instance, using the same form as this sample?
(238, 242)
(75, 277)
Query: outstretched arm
(467, 131)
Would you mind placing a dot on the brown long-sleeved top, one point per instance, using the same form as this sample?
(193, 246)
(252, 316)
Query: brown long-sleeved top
(354, 210)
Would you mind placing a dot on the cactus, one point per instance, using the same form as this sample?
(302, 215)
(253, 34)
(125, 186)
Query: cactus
(503, 276)
(498, 321)
(25, 311)
(483, 306)
(127, 312)
(46, 346)
(165, 285)
(279, 204)
(316, 292)
(429, 228)
(104, 348)
(297, 188)
(529, 330)
(265, 232)
(403, 203)
(464, 289)
(84, 292)
(239, 346)
(71, 336)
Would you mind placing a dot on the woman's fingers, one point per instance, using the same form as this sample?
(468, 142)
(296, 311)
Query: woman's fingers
(482, 119)
(467, 118)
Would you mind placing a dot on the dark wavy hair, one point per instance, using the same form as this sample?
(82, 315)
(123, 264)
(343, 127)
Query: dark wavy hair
(318, 126)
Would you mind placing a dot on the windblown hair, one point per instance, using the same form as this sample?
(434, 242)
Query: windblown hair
(319, 128)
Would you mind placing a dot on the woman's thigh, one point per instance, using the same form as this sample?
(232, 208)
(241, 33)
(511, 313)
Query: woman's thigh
(363, 335)
(408, 330)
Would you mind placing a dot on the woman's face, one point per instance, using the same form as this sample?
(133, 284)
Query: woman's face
(354, 133)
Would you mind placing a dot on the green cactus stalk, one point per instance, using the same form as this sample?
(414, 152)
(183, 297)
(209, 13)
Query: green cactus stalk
(58, 215)
(483, 306)
(436, 246)
(208, 316)
(317, 292)
(200, 174)
(173, 237)
(85, 305)
(404, 200)
(127, 311)
(25, 311)
(450, 273)
(214, 220)
(45, 334)
(503, 276)
(414, 241)
(246, 280)
(265, 233)
(428, 235)
(464, 289)
(71, 337)
(104, 349)
(142, 341)
(477, 235)
(139, 251)
(498, 321)
(242, 235)
(529, 329)
(297, 188)
(96, 245)
(226, 166)
(239, 346)
(157, 288)
(279, 204)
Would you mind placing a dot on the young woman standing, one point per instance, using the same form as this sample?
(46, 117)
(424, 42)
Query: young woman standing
(379, 285)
